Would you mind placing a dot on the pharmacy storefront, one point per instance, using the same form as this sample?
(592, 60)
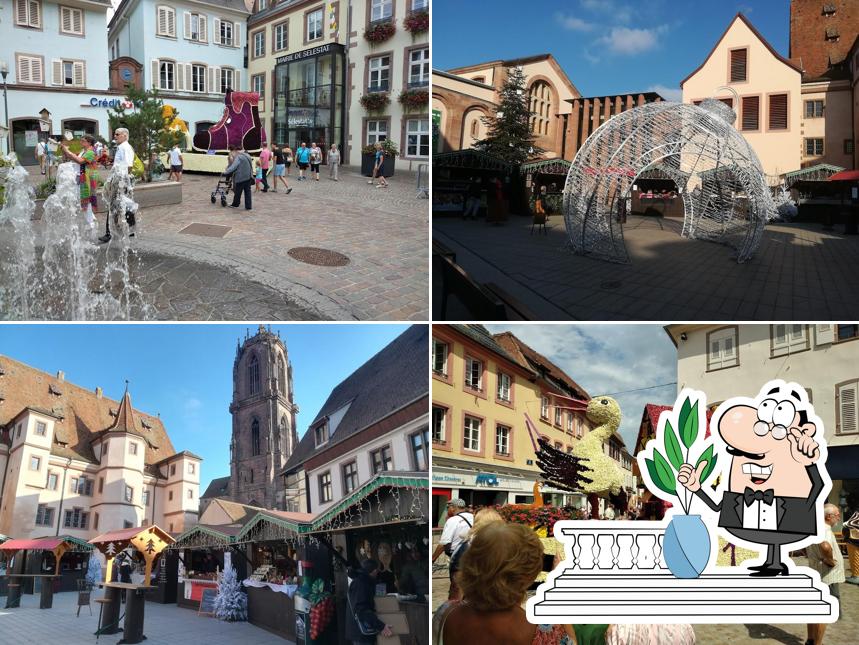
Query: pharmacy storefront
(310, 101)
(489, 488)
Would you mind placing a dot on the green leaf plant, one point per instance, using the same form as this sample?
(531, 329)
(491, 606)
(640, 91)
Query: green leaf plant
(663, 471)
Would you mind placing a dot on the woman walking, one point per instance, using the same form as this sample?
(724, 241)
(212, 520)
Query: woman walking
(315, 159)
(379, 167)
(279, 168)
(334, 163)
(87, 177)
(303, 158)
(287, 153)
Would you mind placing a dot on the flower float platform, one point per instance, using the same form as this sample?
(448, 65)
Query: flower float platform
(615, 572)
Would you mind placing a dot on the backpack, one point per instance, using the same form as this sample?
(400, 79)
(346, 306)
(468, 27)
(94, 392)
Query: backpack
(448, 548)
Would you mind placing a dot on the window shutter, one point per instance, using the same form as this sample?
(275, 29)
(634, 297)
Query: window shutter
(778, 112)
(216, 37)
(236, 81)
(161, 27)
(36, 72)
(155, 81)
(171, 22)
(24, 70)
(213, 86)
(66, 19)
(751, 112)
(78, 74)
(180, 76)
(237, 34)
(739, 67)
(56, 72)
(203, 26)
(187, 25)
(36, 13)
(825, 334)
(846, 403)
(77, 21)
(189, 71)
(21, 12)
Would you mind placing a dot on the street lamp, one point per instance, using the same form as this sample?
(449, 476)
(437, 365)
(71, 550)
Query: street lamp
(4, 71)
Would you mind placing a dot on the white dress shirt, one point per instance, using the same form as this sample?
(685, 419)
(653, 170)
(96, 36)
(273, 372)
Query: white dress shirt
(124, 155)
(760, 515)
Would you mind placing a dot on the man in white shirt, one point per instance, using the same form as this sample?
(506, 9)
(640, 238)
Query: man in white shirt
(455, 532)
(41, 149)
(122, 158)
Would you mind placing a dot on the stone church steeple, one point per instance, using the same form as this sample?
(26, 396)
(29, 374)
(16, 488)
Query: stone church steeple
(263, 411)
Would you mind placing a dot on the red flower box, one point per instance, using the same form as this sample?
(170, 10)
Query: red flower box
(417, 22)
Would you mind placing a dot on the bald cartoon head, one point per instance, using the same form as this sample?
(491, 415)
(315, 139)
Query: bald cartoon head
(771, 442)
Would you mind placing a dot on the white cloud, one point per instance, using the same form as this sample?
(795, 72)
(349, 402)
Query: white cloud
(572, 23)
(626, 41)
(619, 12)
(192, 405)
(668, 93)
(606, 359)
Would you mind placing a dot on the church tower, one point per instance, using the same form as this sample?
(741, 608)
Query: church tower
(263, 411)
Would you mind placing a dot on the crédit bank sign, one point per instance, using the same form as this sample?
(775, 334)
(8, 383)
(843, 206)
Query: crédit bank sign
(108, 103)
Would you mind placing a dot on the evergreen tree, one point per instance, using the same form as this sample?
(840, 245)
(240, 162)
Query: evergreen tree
(231, 603)
(510, 137)
(148, 127)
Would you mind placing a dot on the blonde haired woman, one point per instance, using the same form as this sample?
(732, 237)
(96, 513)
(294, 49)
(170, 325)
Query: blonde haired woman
(500, 564)
(483, 517)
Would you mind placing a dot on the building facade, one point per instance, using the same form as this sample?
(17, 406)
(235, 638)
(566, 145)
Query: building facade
(191, 50)
(73, 462)
(57, 69)
(736, 360)
(483, 385)
(373, 424)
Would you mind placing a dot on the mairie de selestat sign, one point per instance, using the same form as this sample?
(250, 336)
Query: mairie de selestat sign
(310, 53)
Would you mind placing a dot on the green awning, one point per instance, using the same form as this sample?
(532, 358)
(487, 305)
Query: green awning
(267, 525)
(78, 544)
(470, 158)
(550, 166)
(204, 536)
(381, 480)
(818, 172)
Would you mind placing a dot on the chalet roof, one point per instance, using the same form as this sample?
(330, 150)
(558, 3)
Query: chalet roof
(536, 362)
(759, 36)
(80, 414)
(390, 380)
(217, 487)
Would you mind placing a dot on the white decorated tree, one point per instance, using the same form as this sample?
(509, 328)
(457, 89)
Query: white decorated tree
(93, 569)
(231, 603)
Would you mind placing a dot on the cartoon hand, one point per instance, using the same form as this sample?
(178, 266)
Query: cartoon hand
(690, 476)
(803, 447)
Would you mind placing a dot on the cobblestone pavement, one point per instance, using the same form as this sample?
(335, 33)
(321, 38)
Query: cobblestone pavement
(164, 624)
(843, 632)
(383, 232)
(801, 272)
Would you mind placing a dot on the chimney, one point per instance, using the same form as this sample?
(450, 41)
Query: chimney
(61, 375)
(98, 392)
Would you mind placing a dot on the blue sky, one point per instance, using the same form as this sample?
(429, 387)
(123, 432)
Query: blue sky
(604, 46)
(609, 359)
(184, 372)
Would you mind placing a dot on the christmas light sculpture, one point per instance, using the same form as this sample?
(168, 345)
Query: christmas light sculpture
(719, 177)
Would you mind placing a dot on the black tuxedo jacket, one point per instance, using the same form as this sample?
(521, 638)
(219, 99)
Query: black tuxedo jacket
(793, 514)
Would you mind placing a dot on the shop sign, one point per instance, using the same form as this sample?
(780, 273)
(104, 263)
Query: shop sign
(303, 118)
(310, 53)
(486, 479)
(97, 102)
(453, 479)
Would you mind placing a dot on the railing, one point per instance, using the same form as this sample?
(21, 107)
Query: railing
(415, 85)
(613, 547)
(378, 87)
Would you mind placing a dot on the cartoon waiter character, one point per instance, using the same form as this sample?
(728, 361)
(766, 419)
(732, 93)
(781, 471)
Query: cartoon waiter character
(773, 484)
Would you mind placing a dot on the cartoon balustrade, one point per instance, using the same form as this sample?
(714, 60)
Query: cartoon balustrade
(591, 547)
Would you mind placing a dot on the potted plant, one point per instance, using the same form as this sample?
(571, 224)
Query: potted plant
(375, 101)
(379, 32)
(414, 99)
(368, 158)
(686, 546)
(417, 22)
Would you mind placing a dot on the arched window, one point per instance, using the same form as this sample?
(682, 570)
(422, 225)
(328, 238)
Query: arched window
(255, 438)
(283, 435)
(281, 375)
(253, 375)
(540, 103)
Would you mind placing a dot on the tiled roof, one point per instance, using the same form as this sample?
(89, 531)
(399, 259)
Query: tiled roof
(239, 513)
(390, 380)
(217, 487)
(480, 335)
(535, 361)
(82, 413)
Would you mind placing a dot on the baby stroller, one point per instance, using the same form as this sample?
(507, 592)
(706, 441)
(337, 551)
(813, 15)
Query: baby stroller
(225, 185)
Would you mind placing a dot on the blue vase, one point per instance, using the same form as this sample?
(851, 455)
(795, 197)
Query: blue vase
(686, 546)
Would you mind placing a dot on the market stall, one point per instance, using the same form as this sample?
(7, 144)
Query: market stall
(462, 174)
(203, 551)
(387, 520)
(281, 558)
(149, 542)
(546, 177)
(73, 566)
(19, 551)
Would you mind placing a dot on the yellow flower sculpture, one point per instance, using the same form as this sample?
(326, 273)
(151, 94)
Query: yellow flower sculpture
(605, 474)
(168, 112)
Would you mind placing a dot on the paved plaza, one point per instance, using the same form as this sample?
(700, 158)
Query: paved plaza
(800, 272)
(843, 632)
(383, 233)
(163, 624)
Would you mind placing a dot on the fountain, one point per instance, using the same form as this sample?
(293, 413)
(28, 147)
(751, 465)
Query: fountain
(58, 275)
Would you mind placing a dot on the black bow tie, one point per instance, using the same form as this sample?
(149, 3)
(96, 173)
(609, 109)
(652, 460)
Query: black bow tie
(750, 496)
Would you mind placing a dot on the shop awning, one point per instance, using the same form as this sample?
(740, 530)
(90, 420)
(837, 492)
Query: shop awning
(274, 525)
(845, 175)
(472, 159)
(43, 544)
(817, 172)
(393, 480)
(204, 536)
(77, 544)
(547, 166)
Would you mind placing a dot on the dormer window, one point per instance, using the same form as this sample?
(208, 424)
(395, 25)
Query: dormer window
(829, 9)
(320, 433)
(145, 424)
(54, 390)
(832, 33)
